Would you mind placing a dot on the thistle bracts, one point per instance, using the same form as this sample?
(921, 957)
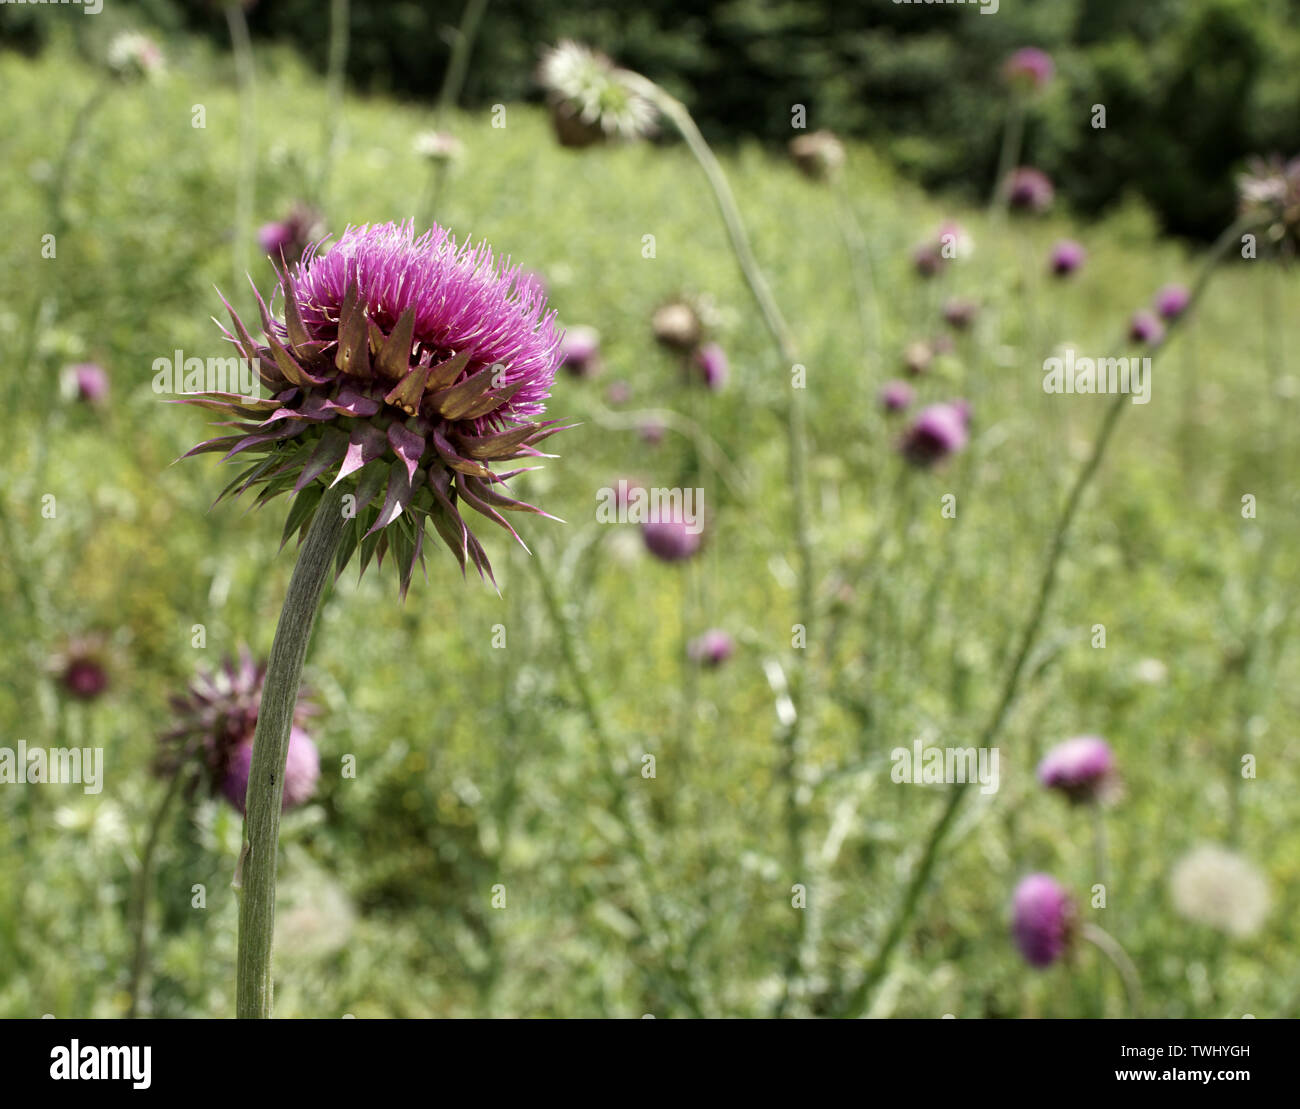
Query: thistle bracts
(403, 366)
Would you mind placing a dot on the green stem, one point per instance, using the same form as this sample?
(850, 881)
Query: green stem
(242, 47)
(144, 888)
(1012, 137)
(859, 998)
(336, 83)
(1110, 947)
(255, 879)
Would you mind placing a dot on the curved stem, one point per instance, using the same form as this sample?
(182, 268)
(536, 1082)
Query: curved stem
(1104, 942)
(859, 998)
(255, 878)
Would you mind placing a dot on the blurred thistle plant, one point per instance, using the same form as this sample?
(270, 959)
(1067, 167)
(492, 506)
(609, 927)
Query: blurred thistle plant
(939, 430)
(818, 156)
(285, 241)
(1082, 768)
(86, 382)
(580, 351)
(402, 368)
(1067, 258)
(1269, 197)
(589, 98)
(132, 55)
(1043, 919)
(1028, 189)
(81, 668)
(711, 365)
(1028, 69)
(438, 146)
(215, 720)
(1220, 888)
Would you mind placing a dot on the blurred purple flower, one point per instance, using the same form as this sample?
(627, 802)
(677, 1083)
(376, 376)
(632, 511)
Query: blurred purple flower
(1081, 767)
(1067, 258)
(80, 668)
(1042, 919)
(896, 396)
(1028, 68)
(671, 539)
(938, 431)
(87, 381)
(711, 361)
(713, 648)
(960, 312)
(1145, 328)
(1029, 189)
(1172, 301)
(580, 351)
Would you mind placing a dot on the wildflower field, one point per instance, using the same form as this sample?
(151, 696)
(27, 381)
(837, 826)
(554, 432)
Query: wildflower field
(700, 764)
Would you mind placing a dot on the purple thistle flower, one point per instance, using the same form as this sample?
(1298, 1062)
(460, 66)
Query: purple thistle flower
(960, 312)
(1145, 328)
(285, 240)
(927, 259)
(671, 539)
(1029, 189)
(79, 668)
(404, 366)
(711, 361)
(580, 351)
(1172, 301)
(938, 431)
(711, 649)
(896, 396)
(1042, 919)
(1081, 768)
(87, 381)
(1067, 258)
(1028, 68)
(216, 722)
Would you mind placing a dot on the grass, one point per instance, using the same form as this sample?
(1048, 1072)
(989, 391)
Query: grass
(477, 775)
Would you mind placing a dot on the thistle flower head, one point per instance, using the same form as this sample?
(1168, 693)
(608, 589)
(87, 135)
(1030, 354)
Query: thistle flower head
(286, 240)
(80, 668)
(580, 351)
(818, 155)
(1171, 301)
(960, 312)
(1029, 189)
(1067, 257)
(1145, 328)
(927, 259)
(590, 99)
(1212, 885)
(1082, 768)
(711, 362)
(1269, 194)
(1043, 917)
(215, 722)
(86, 381)
(1029, 68)
(438, 146)
(953, 240)
(132, 54)
(896, 396)
(403, 366)
(670, 539)
(938, 431)
(711, 649)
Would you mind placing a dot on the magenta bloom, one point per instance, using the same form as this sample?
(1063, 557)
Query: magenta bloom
(1145, 328)
(1028, 68)
(711, 361)
(960, 312)
(1029, 189)
(1172, 301)
(896, 396)
(580, 351)
(404, 366)
(88, 382)
(1042, 919)
(711, 649)
(216, 721)
(285, 240)
(1081, 768)
(274, 237)
(301, 770)
(671, 540)
(1067, 257)
(938, 431)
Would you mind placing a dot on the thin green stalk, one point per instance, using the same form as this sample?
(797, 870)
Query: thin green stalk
(245, 183)
(1110, 947)
(860, 271)
(1012, 138)
(340, 18)
(144, 889)
(859, 998)
(255, 878)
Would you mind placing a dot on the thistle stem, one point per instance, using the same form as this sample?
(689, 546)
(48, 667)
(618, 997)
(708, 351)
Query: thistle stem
(242, 46)
(861, 995)
(1110, 947)
(255, 879)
